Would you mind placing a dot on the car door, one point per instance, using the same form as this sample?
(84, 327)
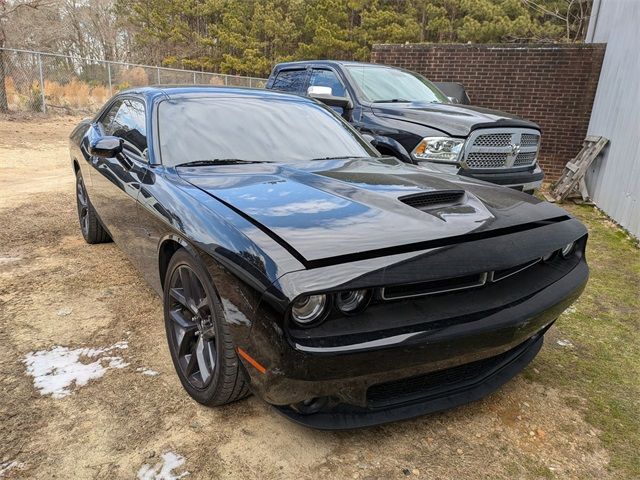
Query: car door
(116, 181)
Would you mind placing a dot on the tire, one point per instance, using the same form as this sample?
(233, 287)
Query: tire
(90, 226)
(199, 339)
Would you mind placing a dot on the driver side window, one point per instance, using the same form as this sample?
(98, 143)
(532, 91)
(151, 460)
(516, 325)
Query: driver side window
(327, 78)
(126, 119)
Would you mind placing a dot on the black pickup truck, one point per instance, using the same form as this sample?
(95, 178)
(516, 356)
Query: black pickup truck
(407, 116)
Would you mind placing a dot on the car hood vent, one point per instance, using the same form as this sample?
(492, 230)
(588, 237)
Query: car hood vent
(438, 198)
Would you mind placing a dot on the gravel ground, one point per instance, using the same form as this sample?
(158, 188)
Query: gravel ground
(125, 415)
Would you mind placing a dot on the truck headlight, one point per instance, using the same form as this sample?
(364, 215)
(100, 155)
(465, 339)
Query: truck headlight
(439, 149)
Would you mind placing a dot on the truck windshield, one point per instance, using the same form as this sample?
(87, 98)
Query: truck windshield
(381, 84)
(247, 129)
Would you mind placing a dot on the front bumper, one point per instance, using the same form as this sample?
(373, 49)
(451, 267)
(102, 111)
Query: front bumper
(526, 181)
(433, 392)
(350, 376)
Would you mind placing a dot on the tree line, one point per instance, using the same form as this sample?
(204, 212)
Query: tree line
(248, 36)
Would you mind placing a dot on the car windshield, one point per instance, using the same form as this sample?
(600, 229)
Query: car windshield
(243, 129)
(383, 84)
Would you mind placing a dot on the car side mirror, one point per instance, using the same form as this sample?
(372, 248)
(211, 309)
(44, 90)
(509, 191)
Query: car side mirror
(106, 147)
(329, 99)
(370, 138)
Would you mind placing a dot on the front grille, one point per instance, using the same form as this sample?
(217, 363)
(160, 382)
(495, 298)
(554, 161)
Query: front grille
(525, 159)
(529, 139)
(493, 148)
(445, 285)
(433, 287)
(428, 200)
(493, 140)
(487, 160)
(507, 272)
(439, 382)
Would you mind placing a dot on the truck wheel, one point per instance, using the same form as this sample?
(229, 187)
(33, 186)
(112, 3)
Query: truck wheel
(199, 339)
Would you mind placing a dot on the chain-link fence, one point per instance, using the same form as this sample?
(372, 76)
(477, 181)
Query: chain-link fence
(46, 82)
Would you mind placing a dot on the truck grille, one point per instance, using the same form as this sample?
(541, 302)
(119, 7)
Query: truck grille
(526, 158)
(486, 160)
(501, 148)
(493, 140)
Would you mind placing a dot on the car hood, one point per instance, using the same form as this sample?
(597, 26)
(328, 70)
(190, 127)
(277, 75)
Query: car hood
(327, 209)
(455, 120)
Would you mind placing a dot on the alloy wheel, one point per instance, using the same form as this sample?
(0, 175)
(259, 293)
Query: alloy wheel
(83, 205)
(192, 327)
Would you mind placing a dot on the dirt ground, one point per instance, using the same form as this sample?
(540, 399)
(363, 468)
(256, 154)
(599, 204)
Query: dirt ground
(57, 291)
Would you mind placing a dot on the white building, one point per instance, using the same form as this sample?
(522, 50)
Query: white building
(614, 178)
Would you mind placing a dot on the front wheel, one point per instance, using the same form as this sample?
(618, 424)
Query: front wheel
(199, 339)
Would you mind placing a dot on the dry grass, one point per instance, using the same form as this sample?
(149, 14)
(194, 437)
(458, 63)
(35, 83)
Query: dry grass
(73, 95)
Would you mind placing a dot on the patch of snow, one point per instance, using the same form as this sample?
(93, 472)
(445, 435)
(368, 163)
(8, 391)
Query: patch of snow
(565, 343)
(147, 371)
(63, 312)
(163, 470)
(4, 260)
(571, 309)
(55, 371)
(6, 466)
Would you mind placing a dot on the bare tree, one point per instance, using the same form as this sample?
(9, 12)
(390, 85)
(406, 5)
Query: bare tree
(7, 10)
(573, 13)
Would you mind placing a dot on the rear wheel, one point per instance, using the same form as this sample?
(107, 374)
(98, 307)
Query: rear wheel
(90, 226)
(199, 339)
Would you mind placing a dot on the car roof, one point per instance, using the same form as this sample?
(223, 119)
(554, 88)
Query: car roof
(329, 63)
(154, 92)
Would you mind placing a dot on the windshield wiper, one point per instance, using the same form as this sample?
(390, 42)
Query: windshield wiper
(218, 161)
(393, 100)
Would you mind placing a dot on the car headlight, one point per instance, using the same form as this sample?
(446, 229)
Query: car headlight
(352, 301)
(309, 308)
(439, 149)
(548, 256)
(567, 249)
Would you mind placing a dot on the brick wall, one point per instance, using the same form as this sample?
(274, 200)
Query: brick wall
(552, 85)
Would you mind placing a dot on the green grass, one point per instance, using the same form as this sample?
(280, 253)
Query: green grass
(604, 365)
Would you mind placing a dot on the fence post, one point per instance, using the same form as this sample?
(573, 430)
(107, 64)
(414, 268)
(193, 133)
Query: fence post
(158, 70)
(226, 80)
(194, 78)
(109, 74)
(250, 82)
(44, 104)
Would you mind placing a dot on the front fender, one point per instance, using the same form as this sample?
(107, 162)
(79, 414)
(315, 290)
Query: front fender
(389, 144)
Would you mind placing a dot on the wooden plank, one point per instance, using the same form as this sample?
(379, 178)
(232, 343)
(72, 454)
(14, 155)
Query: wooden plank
(572, 178)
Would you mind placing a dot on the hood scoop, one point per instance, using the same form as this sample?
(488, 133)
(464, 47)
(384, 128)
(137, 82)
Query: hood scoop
(436, 199)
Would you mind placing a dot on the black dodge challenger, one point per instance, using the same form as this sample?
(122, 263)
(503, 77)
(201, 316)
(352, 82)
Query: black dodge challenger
(345, 288)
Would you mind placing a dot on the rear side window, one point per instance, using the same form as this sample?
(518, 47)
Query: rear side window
(129, 123)
(290, 81)
(327, 78)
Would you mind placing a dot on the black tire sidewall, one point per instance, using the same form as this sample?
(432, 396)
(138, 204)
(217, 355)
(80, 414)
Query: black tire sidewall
(209, 394)
(80, 182)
